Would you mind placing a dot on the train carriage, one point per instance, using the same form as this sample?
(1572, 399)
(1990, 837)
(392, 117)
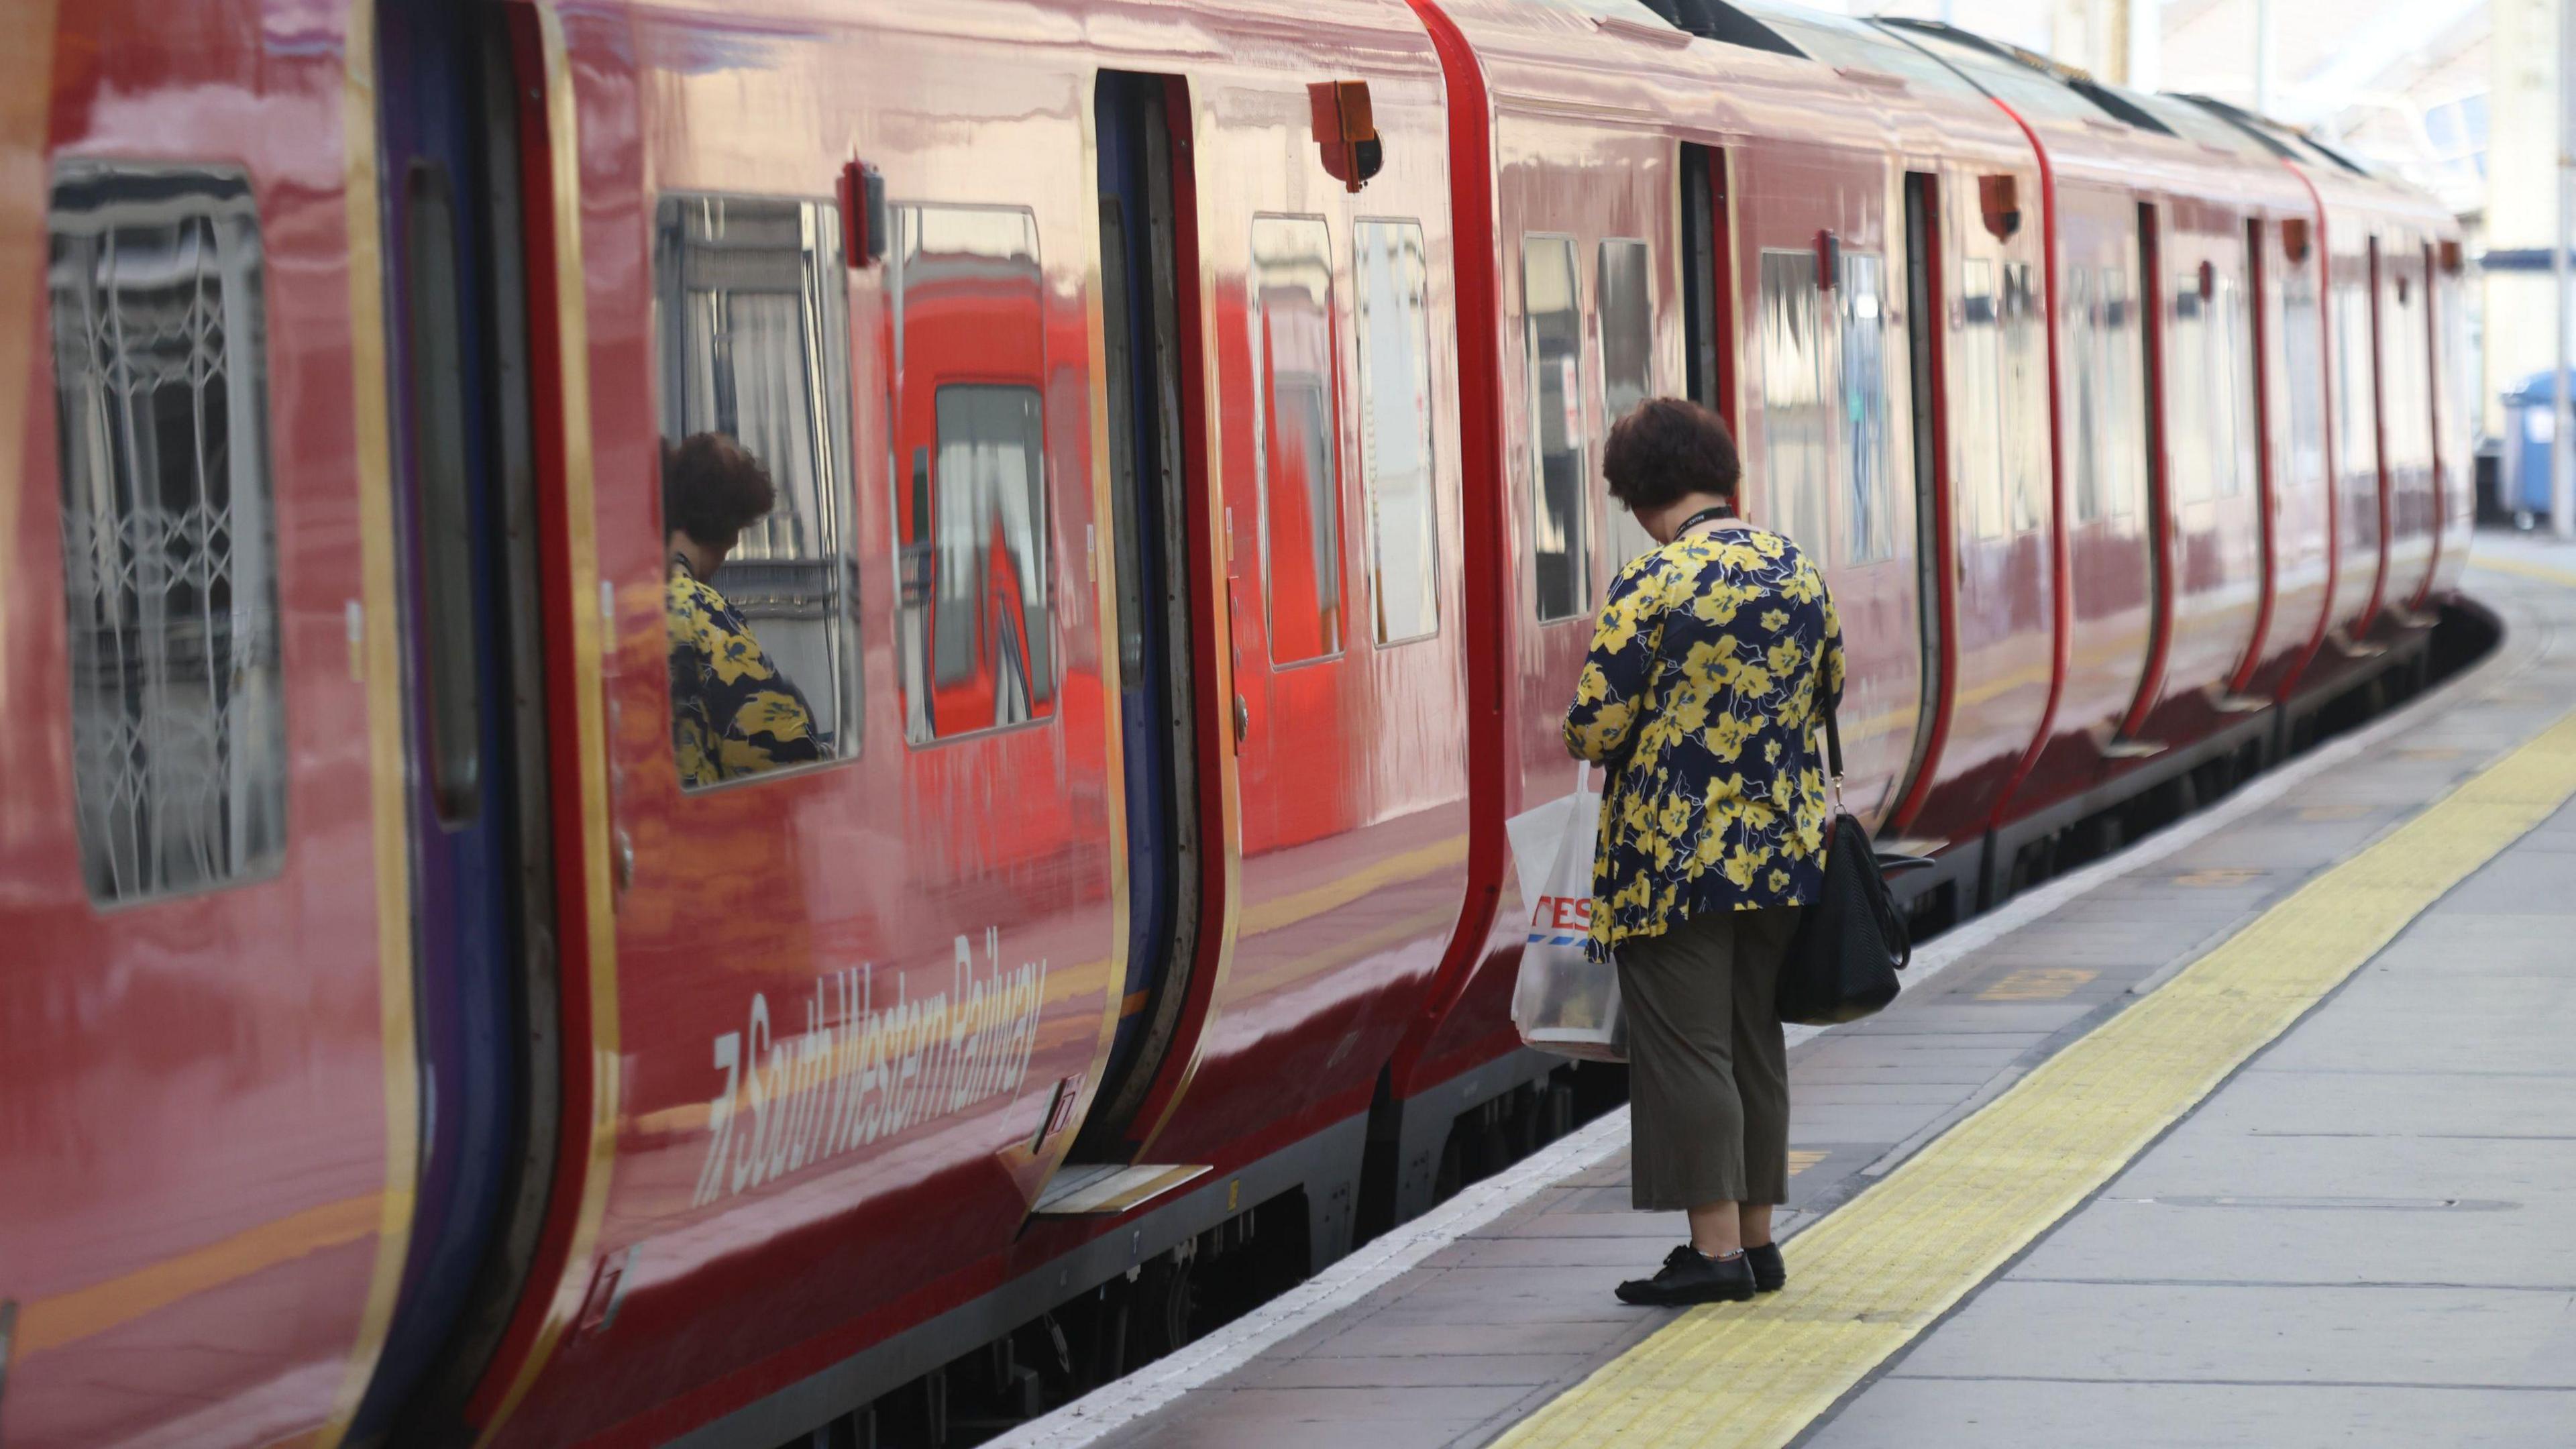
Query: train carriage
(1185, 427)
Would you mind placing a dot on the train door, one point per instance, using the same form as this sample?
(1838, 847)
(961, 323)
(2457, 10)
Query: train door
(2353, 409)
(1340, 824)
(209, 1165)
(2404, 353)
(460, 475)
(1824, 455)
(2295, 421)
(2212, 561)
(1140, 122)
(2109, 271)
(1985, 297)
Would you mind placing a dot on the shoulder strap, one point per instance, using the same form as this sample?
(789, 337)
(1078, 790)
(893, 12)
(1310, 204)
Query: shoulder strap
(1833, 740)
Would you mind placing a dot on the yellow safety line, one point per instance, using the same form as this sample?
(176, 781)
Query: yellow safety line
(2525, 568)
(1874, 1274)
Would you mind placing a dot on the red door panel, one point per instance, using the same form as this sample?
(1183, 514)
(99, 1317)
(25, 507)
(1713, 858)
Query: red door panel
(1331, 374)
(1999, 505)
(206, 1162)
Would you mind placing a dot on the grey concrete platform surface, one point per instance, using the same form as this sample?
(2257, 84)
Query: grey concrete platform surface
(2366, 1236)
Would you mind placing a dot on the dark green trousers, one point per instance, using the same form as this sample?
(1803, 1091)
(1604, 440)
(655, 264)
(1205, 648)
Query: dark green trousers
(1708, 1073)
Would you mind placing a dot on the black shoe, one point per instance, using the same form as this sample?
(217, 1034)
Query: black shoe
(1770, 1274)
(1691, 1276)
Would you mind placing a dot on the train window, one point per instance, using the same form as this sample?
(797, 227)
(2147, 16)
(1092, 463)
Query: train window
(1299, 474)
(1796, 422)
(2084, 355)
(2303, 359)
(2025, 347)
(2210, 425)
(2356, 441)
(169, 554)
(442, 489)
(989, 475)
(1627, 313)
(2190, 448)
(1980, 403)
(1869, 528)
(2231, 338)
(2124, 399)
(1395, 429)
(2406, 391)
(1552, 314)
(753, 350)
(975, 627)
(2455, 370)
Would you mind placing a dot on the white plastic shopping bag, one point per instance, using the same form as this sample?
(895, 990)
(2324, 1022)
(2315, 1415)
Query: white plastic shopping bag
(1564, 1002)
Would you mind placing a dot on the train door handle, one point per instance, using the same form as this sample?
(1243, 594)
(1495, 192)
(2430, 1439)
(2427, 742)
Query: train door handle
(622, 858)
(1242, 719)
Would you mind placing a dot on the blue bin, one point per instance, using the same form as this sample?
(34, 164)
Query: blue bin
(2529, 416)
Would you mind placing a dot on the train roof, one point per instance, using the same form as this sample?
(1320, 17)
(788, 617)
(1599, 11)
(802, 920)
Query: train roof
(1753, 70)
(2104, 133)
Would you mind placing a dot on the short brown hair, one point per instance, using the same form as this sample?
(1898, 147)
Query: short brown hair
(711, 487)
(1668, 448)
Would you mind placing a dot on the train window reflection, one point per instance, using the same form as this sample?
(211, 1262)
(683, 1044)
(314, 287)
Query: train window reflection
(754, 352)
(2085, 362)
(1627, 320)
(2025, 345)
(2189, 446)
(1796, 425)
(1552, 314)
(975, 629)
(169, 556)
(2355, 416)
(2210, 412)
(2303, 355)
(2406, 388)
(2455, 372)
(1981, 407)
(1299, 471)
(1869, 528)
(2124, 399)
(2232, 368)
(989, 503)
(1395, 429)
(2355, 443)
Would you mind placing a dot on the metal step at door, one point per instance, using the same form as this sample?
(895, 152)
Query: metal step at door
(1091, 1189)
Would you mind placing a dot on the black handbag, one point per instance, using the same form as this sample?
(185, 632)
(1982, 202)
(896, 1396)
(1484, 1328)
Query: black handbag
(1851, 942)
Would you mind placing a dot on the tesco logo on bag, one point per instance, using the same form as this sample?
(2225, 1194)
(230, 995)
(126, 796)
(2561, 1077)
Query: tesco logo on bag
(1561, 921)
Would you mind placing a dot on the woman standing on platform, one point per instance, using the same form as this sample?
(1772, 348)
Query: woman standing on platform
(1711, 663)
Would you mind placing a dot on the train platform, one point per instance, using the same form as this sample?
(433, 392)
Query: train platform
(2261, 1132)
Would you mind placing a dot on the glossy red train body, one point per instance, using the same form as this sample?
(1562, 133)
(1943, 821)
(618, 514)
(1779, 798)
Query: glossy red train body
(1189, 555)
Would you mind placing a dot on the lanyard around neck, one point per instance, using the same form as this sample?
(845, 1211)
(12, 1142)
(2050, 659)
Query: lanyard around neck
(1714, 511)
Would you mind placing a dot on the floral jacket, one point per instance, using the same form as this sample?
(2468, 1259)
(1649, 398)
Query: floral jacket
(732, 713)
(1701, 699)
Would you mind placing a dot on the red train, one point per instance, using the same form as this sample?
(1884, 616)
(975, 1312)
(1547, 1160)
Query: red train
(1184, 420)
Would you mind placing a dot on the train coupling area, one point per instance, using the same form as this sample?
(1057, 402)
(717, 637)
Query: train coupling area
(2255, 1134)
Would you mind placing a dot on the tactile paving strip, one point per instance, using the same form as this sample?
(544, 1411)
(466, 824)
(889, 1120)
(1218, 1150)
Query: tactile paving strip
(1878, 1271)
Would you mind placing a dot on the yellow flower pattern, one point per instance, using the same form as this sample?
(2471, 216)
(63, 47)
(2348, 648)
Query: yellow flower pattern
(732, 713)
(1700, 699)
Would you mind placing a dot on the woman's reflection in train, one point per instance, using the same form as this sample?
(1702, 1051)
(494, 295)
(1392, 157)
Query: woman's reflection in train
(732, 712)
